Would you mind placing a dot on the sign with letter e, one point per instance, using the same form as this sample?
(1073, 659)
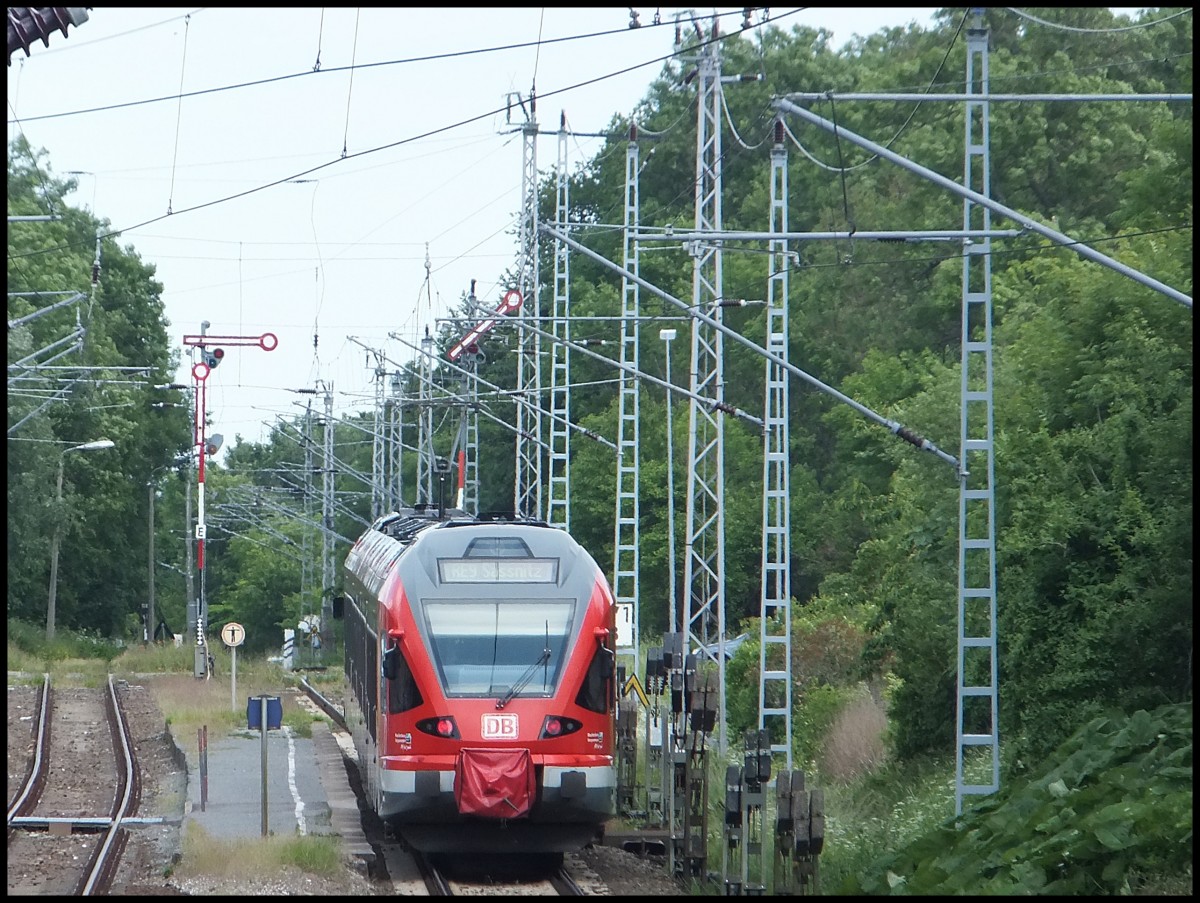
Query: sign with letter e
(624, 627)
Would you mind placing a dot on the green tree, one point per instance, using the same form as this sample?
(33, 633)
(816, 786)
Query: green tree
(103, 578)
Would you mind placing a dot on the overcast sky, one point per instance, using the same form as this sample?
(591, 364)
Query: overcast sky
(348, 179)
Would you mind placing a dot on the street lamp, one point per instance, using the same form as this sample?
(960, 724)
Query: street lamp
(57, 537)
(666, 335)
(149, 629)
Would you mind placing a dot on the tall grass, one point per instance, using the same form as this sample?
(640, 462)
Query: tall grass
(253, 858)
(31, 654)
(880, 811)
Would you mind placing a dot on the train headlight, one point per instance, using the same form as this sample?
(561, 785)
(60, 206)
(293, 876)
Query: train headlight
(556, 726)
(443, 726)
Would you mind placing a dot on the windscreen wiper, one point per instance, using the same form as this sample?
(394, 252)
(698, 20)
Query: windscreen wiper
(524, 679)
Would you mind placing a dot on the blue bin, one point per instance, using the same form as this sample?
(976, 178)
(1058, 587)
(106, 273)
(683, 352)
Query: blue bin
(254, 712)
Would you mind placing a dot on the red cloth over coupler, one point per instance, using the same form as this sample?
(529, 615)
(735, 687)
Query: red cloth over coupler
(494, 783)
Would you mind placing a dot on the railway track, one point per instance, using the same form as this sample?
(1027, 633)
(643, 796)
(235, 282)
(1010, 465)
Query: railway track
(65, 819)
(496, 876)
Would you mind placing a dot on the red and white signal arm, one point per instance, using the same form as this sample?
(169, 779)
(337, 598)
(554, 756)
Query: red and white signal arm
(233, 634)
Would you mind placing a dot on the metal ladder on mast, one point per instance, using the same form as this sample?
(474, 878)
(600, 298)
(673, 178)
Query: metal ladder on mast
(977, 726)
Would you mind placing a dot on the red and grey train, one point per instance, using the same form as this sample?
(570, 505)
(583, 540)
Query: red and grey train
(480, 656)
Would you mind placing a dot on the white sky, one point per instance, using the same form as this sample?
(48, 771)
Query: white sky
(342, 254)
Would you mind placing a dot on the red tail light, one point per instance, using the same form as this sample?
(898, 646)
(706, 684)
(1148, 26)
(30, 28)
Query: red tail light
(557, 726)
(443, 726)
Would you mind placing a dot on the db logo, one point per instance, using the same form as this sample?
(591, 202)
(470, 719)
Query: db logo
(499, 727)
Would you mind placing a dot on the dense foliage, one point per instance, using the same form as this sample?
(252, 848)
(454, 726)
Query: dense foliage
(1092, 376)
(84, 371)
(1115, 798)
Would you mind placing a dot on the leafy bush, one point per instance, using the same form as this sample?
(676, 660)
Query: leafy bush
(31, 640)
(1114, 803)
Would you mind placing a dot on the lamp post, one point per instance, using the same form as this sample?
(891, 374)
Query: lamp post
(150, 623)
(56, 539)
(666, 335)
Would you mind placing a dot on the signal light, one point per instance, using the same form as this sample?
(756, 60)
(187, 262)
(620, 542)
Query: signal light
(213, 357)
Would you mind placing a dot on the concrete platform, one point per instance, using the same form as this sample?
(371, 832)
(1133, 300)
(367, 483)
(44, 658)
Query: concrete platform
(307, 791)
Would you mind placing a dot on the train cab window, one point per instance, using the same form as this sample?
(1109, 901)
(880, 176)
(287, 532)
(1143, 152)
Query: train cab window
(595, 693)
(514, 648)
(402, 692)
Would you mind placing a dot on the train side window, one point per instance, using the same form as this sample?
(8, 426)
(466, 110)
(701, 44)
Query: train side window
(593, 694)
(402, 688)
(356, 648)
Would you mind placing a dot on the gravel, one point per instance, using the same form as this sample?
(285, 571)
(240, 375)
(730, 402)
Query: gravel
(625, 874)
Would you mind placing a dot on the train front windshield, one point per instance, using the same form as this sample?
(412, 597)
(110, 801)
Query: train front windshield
(504, 648)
